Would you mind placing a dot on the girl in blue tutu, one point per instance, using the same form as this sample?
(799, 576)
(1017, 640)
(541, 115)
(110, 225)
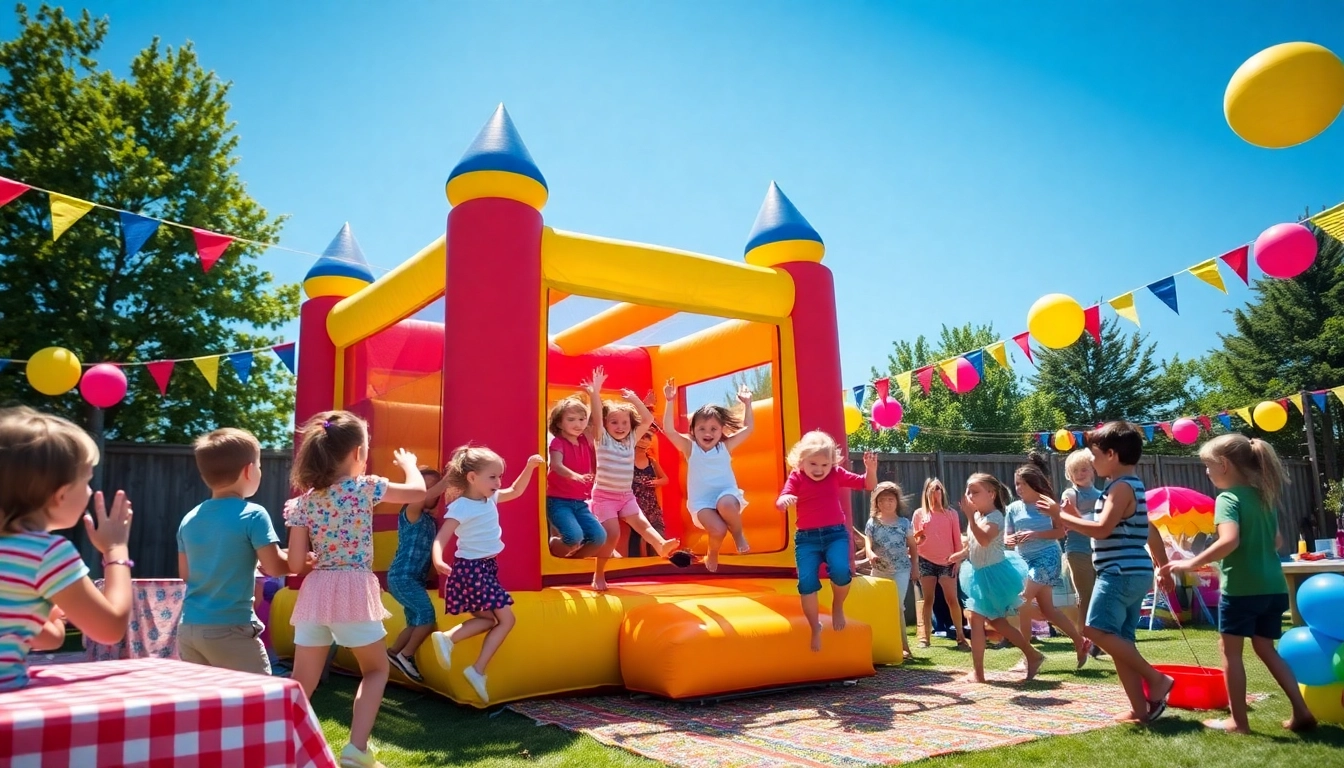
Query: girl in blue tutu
(991, 576)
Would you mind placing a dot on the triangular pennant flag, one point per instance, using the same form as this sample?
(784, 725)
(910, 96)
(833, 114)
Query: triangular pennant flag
(948, 370)
(1237, 260)
(135, 230)
(10, 189)
(209, 368)
(860, 394)
(1000, 355)
(977, 361)
(883, 387)
(1124, 307)
(1319, 399)
(1339, 393)
(1078, 439)
(3, 363)
(1023, 340)
(1148, 432)
(1166, 427)
(1092, 321)
(1297, 400)
(162, 371)
(1225, 420)
(209, 246)
(1165, 289)
(1283, 402)
(1245, 414)
(242, 363)
(925, 376)
(1044, 438)
(911, 432)
(1206, 423)
(65, 211)
(1208, 272)
(286, 354)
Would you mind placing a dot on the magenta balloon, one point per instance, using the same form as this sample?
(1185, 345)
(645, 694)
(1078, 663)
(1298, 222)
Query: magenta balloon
(1285, 250)
(1186, 431)
(887, 413)
(967, 377)
(103, 385)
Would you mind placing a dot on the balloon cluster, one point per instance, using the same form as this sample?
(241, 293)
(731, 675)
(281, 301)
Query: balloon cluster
(55, 370)
(1315, 652)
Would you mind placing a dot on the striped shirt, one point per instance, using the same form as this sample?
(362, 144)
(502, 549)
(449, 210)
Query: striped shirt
(615, 464)
(1123, 552)
(34, 567)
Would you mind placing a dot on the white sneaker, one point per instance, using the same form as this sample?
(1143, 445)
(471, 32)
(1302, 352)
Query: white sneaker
(352, 757)
(477, 681)
(443, 649)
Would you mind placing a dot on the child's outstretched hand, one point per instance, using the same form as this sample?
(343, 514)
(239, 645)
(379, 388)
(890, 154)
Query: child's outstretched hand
(648, 399)
(599, 378)
(442, 567)
(536, 460)
(744, 395)
(1048, 506)
(869, 460)
(405, 459)
(1173, 566)
(629, 396)
(670, 390)
(114, 527)
(785, 501)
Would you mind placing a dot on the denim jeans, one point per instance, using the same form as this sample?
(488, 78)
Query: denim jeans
(814, 546)
(575, 522)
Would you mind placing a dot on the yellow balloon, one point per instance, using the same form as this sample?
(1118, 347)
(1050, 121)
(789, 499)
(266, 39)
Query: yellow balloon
(1063, 440)
(53, 371)
(853, 419)
(1326, 702)
(1055, 320)
(1270, 416)
(1285, 95)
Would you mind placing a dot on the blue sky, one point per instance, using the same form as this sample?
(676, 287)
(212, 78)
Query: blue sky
(960, 159)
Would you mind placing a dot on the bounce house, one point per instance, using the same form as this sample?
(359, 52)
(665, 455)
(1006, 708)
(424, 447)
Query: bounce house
(489, 373)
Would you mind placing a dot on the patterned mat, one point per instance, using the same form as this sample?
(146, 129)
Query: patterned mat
(899, 716)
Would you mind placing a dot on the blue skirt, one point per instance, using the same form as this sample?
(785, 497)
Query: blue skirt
(994, 591)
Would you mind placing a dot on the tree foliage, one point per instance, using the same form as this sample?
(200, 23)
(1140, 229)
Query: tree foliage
(158, 142)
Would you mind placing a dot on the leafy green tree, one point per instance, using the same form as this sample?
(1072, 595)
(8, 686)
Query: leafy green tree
(758, 380)
(158, 142)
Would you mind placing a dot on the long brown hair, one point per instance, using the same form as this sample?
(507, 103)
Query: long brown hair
(39, 455)
(730, 421)
(561, 407)
(1254, 459)
(884, 488)
(325, 441)
(924, 497)
(1036, 475)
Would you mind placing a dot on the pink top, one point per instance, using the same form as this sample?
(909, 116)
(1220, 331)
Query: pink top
(578, 458)
(339, 520)
(819, 500)
(942, 534)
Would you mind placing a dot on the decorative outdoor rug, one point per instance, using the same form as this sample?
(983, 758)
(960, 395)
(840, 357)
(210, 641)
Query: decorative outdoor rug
(899, 716)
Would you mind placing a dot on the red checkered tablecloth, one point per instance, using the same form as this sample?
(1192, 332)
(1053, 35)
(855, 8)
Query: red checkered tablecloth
(158, 713)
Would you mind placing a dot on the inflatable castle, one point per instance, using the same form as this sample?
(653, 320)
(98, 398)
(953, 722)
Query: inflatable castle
(488, 374)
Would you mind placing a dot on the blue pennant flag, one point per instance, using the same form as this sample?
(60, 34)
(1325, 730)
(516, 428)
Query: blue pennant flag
(242, 363)
(286, 354)
(1078, 439)
(1316, 397)
(1044, 437)
(135, 230)
(860, 393)
(1165, 289)
(1226, 421)
(3, 363)
(977, 359)
(911, 432)
(1148, 431)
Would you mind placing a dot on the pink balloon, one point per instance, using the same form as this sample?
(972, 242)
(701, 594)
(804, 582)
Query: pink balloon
(103, 385)
(887, 413)
(1285, 250)
(1186, 431)
(967, 377)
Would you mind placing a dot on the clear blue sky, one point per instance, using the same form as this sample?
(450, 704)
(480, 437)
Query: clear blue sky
(959, 159)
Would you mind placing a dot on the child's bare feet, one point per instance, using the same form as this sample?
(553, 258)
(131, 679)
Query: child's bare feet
(1128, 717)
(1084, 649)
(711, 561)
(669, 546)
(1034, 665)
(1298, 724)
(973, 677)
(741, 540)
(600, 583)
(816, 637)
(1227, 725)
(837, 618)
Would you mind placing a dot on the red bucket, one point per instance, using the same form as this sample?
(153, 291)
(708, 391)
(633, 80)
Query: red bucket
(1195, 688)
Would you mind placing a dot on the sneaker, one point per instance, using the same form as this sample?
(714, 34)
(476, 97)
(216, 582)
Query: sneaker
(1096, 651)
(477, 681)
(407, 666)
(352, 757)
(443, 649)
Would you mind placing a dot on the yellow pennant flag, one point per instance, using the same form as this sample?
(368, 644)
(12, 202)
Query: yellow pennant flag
(1245, 414)
(1339, 392)
(949, 369)
(996, 351)
(1208, 272)
(1332, 221)
(1297, 400)
(210, 368)
(903, 380)
(65, 211)
(1124, 307)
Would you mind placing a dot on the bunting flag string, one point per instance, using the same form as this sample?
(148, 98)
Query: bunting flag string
(860, 394)
(1297, 401)
(135, 231)
(9, 190)
(999, 353)
(903, 381)
(65, 211)
(1208, 272)
(925, 376)
(1237, 260)
(242, 364)
(1092, 322)
(209, 367)
(883, 387)
(1165, 289)
(1023, 340)
(1124, 307)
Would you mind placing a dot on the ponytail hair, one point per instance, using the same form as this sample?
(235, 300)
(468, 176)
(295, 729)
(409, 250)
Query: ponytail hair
(325, 441)
(1254, 459)
(1001, 495)
(1035, 474)
(470, 458)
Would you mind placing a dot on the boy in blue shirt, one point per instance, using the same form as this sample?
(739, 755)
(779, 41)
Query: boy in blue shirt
(219, 544)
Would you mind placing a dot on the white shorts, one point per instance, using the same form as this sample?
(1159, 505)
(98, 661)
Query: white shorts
(695, 505)
(349, 634)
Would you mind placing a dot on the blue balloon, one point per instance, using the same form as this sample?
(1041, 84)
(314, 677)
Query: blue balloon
(1310, 654)
(1320, 600)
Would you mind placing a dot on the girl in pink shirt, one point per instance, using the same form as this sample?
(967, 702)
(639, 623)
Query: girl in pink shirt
(823, 535)
(938, 533)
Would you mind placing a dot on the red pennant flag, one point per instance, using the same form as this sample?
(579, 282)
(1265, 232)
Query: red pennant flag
(1284, 403)
(883, 387)
(161, 370)
(10, 189)
(925, 378)
(1206, 423)
(1166, 427)
(210, 246)
(1092, 321)
(1237, 261)
(1023, 340)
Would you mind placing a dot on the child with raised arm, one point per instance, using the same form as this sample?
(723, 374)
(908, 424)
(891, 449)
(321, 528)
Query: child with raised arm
(813, 489)
(621, 425)
(712, 495)
(569, 481)
(46, 464)
(1124, 549)
(889, 545)
(473, 577)
(1255, 595)
(341, 600)
(406, 575)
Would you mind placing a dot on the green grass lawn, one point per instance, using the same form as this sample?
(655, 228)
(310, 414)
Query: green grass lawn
(423, 729)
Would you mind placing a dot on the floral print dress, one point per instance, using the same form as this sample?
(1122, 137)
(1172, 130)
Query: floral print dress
(339, 519)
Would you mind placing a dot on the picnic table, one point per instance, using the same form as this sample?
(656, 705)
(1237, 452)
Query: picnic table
(1298, 571)
(153, 712)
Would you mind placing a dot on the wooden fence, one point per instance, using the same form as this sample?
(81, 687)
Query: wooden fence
(163, 485)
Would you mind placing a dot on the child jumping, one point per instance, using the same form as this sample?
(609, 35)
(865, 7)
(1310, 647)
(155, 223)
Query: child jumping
(406, 575)
(473, 578)
(569, 482)
(1255, 594)
(46, 464)
(889, 544)
(991, 576)
(1124, 549)
(712, 495)
(622, 424)
(813, 489)
(1077, 547)
(340, 601)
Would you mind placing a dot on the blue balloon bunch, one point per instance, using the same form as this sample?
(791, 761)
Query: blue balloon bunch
(1315, 652)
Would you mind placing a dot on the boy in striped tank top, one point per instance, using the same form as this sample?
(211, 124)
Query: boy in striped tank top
(622, 425)
(1124, 550)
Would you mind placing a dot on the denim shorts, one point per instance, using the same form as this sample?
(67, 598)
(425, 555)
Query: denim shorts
(1117, 601)
(1252, 615)
(574, 521)
(929, 568)
(812, 547)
